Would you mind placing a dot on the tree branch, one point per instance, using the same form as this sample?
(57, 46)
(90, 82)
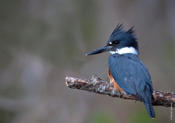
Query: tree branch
(100, 86)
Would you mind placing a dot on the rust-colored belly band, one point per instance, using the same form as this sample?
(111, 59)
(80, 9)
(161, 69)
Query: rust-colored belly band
(116, 86)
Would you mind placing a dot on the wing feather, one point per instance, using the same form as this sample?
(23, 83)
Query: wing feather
(130, 73)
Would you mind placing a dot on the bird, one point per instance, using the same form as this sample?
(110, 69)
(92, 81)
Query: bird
(126, 71)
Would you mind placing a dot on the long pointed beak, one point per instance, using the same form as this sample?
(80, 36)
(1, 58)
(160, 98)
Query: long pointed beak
(99, 50)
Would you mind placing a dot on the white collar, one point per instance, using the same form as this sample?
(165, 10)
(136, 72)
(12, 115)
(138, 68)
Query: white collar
(125, 50)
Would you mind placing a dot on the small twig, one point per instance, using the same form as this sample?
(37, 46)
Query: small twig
(100, 86)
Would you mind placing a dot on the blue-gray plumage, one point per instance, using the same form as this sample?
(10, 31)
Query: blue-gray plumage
(125, 67)
(133, 77)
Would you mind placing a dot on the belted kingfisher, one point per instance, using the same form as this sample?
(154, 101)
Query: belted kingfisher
(126, 71)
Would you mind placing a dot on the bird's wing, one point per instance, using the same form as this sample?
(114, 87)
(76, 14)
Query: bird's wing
(133, 77)
(130, 74)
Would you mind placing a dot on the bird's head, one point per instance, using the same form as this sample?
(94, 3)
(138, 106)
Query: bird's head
(120, 42)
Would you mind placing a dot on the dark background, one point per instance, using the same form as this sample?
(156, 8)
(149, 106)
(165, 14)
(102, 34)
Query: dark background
(42, 41)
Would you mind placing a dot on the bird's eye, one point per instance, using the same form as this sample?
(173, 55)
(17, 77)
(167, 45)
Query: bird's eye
(113, 42)
(116, 42)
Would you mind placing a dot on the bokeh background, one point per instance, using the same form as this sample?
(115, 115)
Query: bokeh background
(43, 41)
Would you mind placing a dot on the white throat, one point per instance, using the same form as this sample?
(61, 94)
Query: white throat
(125, 50)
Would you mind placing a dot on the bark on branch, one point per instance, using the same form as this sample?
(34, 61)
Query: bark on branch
(100, 86)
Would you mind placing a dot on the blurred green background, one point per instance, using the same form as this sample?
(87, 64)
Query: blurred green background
(42, 41)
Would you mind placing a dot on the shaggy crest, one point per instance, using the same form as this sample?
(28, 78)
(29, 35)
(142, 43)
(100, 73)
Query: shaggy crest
(119, 29)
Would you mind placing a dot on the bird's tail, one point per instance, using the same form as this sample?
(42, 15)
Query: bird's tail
(150, 109)
(147, 99)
